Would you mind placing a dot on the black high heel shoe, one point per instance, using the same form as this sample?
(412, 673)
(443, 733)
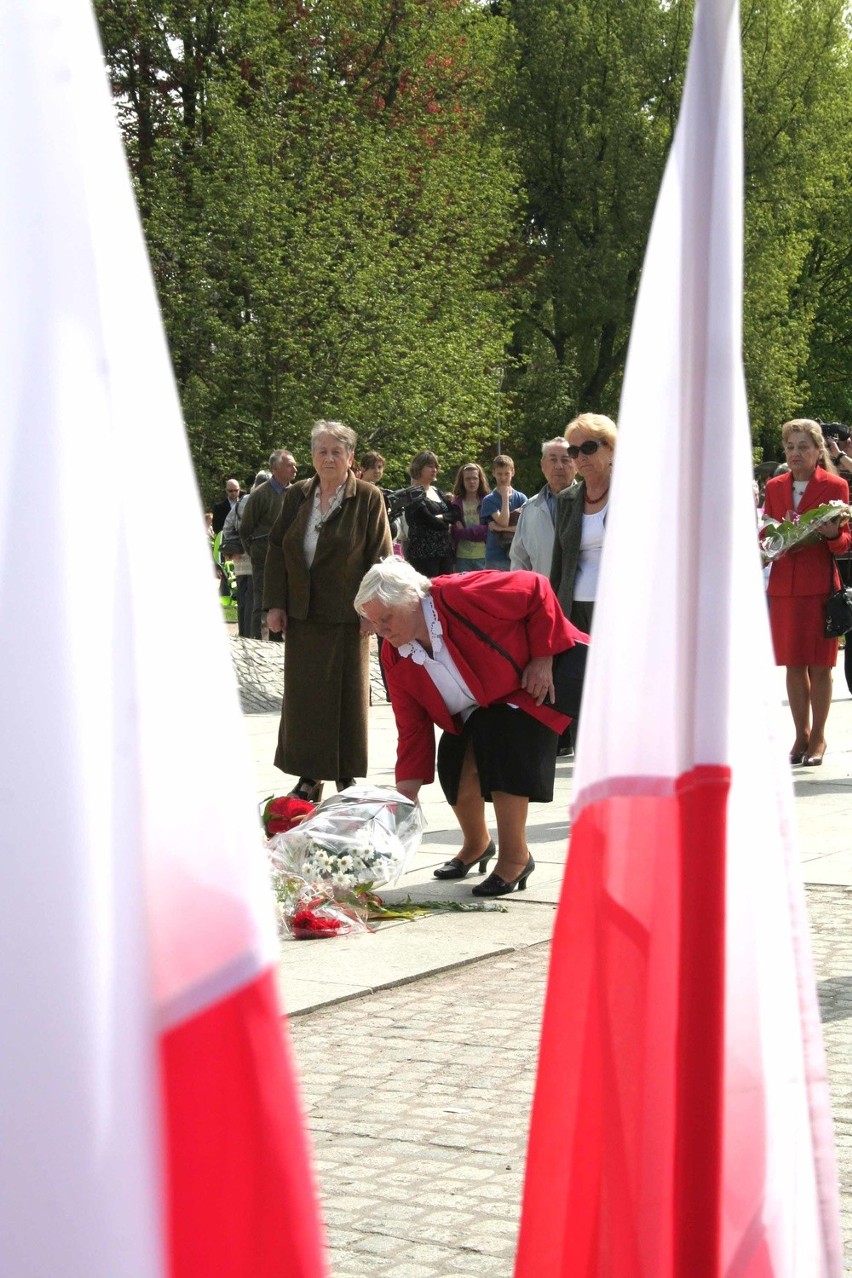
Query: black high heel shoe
(306, 788)
(495, 886)
(343, 783)
(458, 869)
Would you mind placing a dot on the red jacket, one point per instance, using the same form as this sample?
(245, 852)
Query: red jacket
(811, 570)
(521, 612)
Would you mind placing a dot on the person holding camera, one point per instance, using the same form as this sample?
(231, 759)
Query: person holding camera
(838, 445)
(800, 582)
(430, 516)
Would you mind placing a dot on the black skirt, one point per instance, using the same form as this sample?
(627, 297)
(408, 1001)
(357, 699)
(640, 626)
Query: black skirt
(514, 753)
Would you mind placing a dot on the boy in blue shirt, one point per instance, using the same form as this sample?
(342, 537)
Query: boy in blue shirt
(499, 511)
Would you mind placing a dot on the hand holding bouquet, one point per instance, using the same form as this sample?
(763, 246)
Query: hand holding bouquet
(794, 531)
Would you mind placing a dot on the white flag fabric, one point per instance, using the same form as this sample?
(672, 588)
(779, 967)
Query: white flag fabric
(150, 1122)
(681, 1123)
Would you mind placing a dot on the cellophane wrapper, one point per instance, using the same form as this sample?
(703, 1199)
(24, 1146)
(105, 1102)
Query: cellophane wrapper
(308, 912)
(364, 835)
(778, 536)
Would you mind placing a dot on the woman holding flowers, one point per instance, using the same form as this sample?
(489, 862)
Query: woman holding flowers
(800, 582)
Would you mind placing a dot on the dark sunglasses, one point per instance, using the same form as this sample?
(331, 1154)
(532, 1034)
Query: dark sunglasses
(587, 448)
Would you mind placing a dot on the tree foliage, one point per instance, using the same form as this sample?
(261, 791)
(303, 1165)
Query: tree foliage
(429, 217)
(327, 208)
(592, 119)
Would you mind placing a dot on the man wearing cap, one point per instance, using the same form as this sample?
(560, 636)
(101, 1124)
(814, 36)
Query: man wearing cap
(258, 516)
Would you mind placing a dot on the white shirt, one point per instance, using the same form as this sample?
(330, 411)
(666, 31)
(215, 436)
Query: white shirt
(440, 667)
(317, 522)
(591, 545)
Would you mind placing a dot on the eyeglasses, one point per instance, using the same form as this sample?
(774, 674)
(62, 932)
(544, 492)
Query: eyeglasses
(588, 448)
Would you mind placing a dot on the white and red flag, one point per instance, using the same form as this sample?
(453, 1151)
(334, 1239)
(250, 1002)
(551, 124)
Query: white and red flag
(681, 1124)
(149, 1120)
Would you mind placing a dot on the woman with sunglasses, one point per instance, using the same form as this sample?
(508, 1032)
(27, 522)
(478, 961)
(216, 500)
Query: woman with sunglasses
(581, 517)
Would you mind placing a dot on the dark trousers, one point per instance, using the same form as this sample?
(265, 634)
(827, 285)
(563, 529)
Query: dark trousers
(433, 565)
(245, 597)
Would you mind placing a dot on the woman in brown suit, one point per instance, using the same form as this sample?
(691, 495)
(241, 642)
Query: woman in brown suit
(331, 529)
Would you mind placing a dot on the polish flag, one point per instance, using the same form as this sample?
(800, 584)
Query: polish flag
(149, 1120)
(681, 1124)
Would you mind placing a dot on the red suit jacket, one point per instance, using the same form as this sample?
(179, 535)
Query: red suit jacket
(517, 609)
(811, 570)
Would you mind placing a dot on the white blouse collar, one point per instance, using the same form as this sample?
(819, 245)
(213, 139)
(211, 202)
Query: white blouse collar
(415, 649)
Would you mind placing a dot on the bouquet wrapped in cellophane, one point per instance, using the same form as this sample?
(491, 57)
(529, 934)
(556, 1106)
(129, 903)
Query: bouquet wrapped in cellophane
(355, 841)
(308, 912)
(366, 834)
(777, 536)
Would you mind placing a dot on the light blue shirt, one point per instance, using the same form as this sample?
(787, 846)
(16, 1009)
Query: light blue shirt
(497, 556)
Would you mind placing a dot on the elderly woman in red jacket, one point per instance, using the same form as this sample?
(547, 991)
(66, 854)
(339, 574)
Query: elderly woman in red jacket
(454, 646)
(800, 582)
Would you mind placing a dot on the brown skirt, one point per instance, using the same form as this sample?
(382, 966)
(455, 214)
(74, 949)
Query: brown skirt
(323, 732)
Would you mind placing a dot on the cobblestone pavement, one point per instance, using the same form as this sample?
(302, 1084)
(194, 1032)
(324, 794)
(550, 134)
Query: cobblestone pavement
(418, 1100)
(259, 669)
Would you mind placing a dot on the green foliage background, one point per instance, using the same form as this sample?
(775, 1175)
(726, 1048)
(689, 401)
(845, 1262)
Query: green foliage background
(428, 217)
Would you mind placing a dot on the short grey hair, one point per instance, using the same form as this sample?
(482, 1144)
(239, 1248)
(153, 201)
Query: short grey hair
(559, 440)
(394, 583)
(338, 430)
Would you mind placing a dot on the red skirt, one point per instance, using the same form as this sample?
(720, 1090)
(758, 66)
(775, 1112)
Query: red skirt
(798, 623)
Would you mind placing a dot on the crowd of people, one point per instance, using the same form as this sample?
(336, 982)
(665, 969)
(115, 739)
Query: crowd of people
(473, 594)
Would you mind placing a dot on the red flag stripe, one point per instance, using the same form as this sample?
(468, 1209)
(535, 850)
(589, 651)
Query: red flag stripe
(241, 1201)
(612, 1101)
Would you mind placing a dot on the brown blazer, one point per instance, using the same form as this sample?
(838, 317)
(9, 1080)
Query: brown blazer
(356, 536)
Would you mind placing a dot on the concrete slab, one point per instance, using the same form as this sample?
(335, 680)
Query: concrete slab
(312, 975)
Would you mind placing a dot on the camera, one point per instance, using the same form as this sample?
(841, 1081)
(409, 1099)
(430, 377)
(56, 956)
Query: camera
(401, 501)
(834, 430)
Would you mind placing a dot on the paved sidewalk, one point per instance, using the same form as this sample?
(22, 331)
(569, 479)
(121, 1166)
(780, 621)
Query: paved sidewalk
(418, 1095)
(418, 1106)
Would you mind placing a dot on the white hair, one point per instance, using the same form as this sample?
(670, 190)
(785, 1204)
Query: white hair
(394, 583)
(549, 443)
(338, 430)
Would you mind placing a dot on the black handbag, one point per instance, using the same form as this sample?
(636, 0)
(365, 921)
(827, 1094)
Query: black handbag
(838, 608)
(569, 668)
(838, 613)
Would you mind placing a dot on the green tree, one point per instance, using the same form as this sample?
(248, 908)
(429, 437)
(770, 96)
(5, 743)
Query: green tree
(592, 119)
(327, 206)
(798, 139)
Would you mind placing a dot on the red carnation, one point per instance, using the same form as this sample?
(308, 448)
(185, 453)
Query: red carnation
(280, 815)
(304, 925)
